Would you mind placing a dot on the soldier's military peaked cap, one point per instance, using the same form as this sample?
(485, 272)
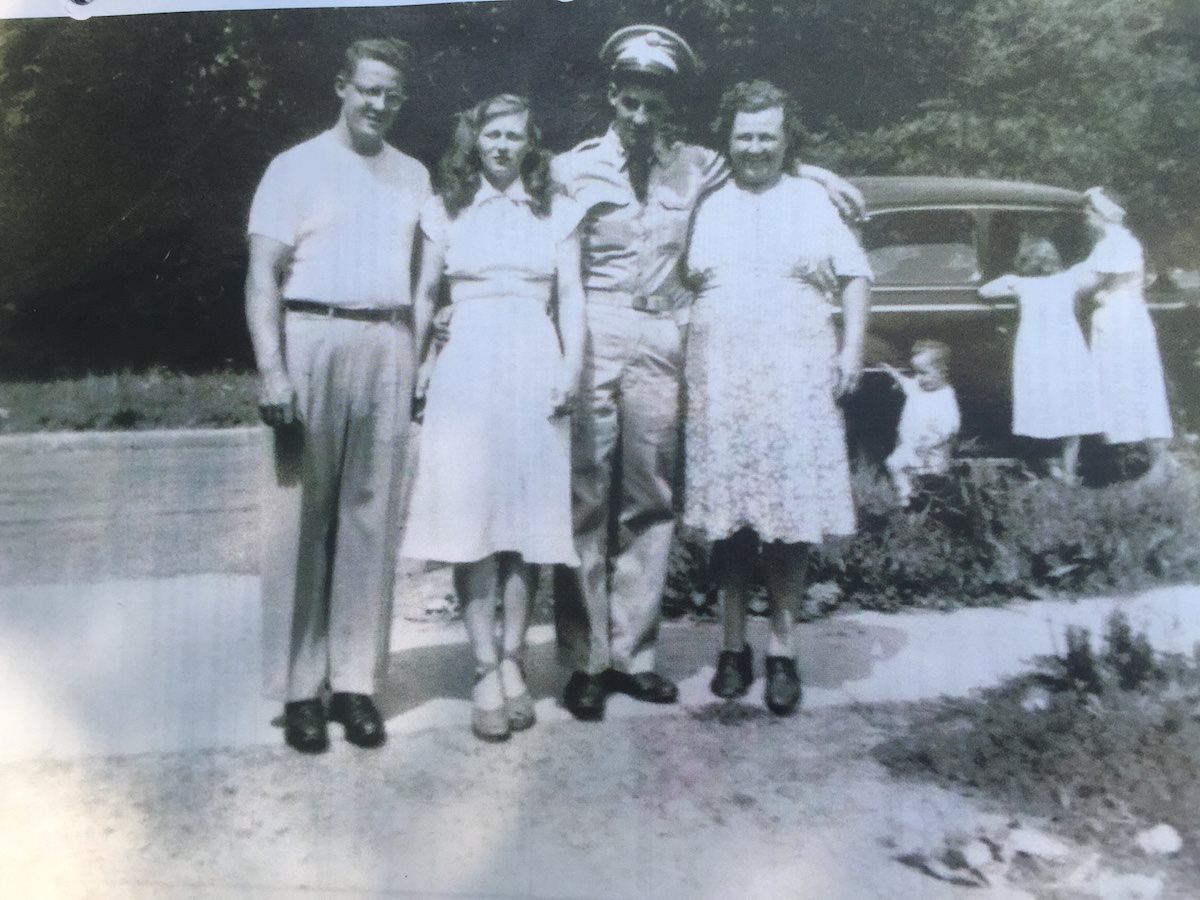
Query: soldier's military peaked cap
(649, 50)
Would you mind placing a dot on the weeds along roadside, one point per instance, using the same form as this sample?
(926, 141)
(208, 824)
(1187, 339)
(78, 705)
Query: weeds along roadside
(991, 533)
(1102, 740)
(121, 401)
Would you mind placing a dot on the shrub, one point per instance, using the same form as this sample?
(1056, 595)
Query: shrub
(1078, 665)
(989, 532)
(1129, 656)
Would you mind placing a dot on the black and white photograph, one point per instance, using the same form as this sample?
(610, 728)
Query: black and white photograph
(600, 449)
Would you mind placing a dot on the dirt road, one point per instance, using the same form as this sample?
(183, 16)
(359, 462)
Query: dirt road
(680, 807)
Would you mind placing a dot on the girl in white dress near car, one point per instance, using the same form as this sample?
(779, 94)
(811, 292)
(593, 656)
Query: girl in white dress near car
(766, 458)
(1054, 386)
(492, 488)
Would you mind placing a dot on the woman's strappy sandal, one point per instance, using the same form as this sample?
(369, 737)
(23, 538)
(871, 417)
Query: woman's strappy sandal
(489, 724)
(516, 695)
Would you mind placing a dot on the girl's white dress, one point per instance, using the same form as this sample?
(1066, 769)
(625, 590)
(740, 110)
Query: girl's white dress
(1054, 385)
(493, 469)
(1129, 372)
(765, 440)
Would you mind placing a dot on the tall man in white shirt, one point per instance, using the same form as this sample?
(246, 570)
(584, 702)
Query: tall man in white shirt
(329, 305)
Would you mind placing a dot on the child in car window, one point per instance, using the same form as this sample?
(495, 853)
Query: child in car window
(1054, 389)
(929, 421)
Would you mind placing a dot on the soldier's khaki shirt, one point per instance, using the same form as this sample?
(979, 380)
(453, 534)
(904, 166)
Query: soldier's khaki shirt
(631, 250)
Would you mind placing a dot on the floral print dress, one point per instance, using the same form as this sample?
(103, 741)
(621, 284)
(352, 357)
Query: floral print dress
(765, 439)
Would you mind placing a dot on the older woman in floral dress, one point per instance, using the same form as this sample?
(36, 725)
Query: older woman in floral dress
(766, 452)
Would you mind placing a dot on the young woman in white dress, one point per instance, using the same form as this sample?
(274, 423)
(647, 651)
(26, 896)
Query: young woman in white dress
(1124, 346)
(492, 490)
(766, 461)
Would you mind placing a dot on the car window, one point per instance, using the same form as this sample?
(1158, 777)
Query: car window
(922, 247)
(1011, 231)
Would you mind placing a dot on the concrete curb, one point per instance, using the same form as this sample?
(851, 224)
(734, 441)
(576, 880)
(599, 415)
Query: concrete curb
(169, 438)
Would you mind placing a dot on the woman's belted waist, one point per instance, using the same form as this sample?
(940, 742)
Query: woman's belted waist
(467, 289)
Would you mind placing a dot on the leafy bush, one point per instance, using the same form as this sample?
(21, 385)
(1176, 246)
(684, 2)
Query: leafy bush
(1078, 664)
(1129, 656)
(989, 532)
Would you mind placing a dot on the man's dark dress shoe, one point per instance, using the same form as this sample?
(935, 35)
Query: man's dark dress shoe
(361, 720)
(584, 697)
(735, 673)
(304, 726)
(649, 687)
(783, 685)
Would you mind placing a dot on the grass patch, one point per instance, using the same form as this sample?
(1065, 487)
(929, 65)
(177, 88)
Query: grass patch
(1106, 744)
(130, 401)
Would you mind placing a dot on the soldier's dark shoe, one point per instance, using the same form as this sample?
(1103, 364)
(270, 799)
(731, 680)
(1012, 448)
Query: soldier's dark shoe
(735, 673)
(649, 687)
(358, 716)
(783, 685)
(584, 697)
(304, 726)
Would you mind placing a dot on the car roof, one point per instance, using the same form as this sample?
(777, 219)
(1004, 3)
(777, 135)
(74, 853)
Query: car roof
(890, 191)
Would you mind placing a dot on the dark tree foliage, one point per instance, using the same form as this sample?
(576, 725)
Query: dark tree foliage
(129, 149)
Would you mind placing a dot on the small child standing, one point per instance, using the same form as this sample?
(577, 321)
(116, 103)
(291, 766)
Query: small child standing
(929, 421)
(1054, 391)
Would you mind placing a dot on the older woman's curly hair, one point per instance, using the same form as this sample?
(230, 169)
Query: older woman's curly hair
(755, 96)
(460, 168)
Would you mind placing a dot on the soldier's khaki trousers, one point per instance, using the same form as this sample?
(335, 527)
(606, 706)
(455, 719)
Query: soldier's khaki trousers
(333, 507)
(624, 451)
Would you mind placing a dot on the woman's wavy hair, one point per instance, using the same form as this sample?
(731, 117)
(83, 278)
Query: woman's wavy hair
(460, 169)
(755, 96)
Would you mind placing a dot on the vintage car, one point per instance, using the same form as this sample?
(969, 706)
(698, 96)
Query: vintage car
(932, 242)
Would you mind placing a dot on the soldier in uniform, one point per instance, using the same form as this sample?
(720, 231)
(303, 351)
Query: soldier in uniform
(639, 186)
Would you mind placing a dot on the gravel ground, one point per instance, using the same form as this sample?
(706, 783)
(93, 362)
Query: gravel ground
(725, 801)
(722, 802)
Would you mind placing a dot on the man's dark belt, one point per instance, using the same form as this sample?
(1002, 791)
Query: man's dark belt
(653, 303)
(314, 307)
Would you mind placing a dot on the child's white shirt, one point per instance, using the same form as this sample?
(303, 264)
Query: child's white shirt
(928, 424)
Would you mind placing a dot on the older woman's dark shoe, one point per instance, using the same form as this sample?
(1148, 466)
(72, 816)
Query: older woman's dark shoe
(304, 726)
(649, 687)
(358, 716)
(783, 685)
(734, 675)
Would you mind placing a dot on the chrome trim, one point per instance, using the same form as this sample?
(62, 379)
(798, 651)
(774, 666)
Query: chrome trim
(1007, 207)
(939, 307)
(969, 288)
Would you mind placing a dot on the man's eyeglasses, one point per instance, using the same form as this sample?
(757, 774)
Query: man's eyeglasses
(633, 104)
(391, 99)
